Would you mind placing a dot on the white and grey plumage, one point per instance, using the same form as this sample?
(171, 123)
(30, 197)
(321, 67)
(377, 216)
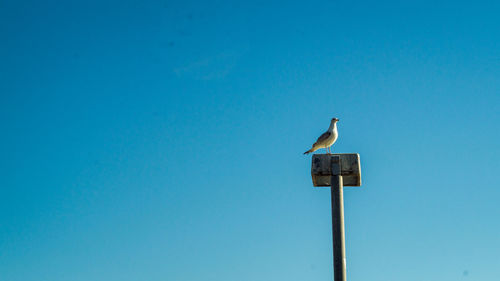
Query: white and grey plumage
(326, 139)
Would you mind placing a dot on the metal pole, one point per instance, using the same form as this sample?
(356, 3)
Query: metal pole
(339, 261)
(335, 170)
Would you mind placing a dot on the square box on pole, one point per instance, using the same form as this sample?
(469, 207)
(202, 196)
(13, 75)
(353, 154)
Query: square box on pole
(350, 168)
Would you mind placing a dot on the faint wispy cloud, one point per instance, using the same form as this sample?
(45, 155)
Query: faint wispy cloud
(210, 68)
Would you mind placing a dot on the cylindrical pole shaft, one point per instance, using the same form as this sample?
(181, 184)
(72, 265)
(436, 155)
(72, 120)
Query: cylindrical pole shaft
(339, 261)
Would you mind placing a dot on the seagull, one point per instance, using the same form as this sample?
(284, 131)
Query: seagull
(326, 139)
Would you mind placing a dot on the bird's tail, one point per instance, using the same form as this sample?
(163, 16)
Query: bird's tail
(309, 151)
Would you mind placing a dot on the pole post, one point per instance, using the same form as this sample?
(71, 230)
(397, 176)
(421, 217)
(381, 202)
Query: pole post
(338, 230)
(337, 171)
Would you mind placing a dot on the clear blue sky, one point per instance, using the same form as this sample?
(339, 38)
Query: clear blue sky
(160, 140)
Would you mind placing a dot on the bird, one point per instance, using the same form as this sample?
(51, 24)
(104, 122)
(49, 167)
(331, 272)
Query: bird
(326, 139)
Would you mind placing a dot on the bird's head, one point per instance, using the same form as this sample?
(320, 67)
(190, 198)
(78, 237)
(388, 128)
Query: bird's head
(335, 120)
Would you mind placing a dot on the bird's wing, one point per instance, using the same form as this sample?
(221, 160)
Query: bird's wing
(323, 137)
